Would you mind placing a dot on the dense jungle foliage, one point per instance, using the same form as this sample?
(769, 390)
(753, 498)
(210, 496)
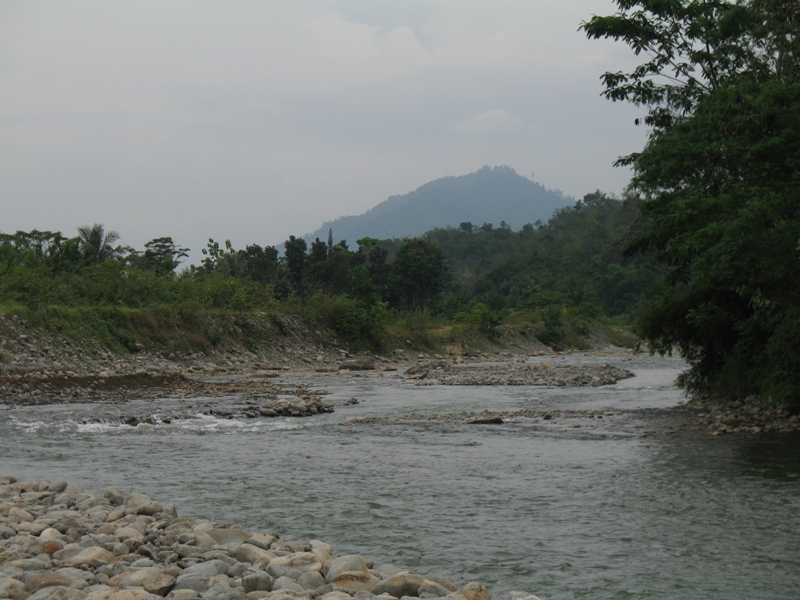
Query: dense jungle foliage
(564, 273)
(719, 182)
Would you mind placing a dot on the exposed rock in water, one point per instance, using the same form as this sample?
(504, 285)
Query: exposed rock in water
(357, 364)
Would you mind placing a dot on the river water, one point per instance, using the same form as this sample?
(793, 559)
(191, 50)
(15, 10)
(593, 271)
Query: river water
(615, 508)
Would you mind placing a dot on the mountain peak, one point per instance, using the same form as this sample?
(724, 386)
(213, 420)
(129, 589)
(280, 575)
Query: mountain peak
(488, 195)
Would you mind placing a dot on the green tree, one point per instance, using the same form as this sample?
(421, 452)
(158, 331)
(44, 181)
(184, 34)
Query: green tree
(97, 245)
(225, 261)
(418, 273)
(161, 256)
(718, 181)
(296, 262)
(260, 264)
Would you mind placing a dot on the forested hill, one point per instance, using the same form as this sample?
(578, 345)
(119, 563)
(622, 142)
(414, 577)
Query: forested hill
(489, 195)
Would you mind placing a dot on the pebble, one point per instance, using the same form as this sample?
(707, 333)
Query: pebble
(58, 542)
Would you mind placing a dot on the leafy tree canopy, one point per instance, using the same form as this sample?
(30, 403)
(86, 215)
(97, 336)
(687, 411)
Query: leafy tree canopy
(719, 180)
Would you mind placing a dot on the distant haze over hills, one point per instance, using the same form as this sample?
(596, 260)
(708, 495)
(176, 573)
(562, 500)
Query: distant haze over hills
(489, 195)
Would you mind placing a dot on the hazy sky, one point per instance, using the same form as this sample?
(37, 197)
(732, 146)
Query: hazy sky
(253, 120)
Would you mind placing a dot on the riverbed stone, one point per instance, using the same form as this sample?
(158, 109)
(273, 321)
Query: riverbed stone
(152, 579)
(285, 595)
(323, 551)
(195, 582)
(58, 593)
(73, 552)
(302, 561)
(149, 508)
(50, 533)
(93, 557)
(210, 568)
(433, 589)
(472, 591)
(252, 554)
(29, 564)
(354, 581)
(259, 581)
(12, 588)
(43, 580)
(228, 536)
(445, 583)
(288, 547)
(133, 594)
(402, 584)
(346, 563)
(311, 580)
(336, 595)
(183, 595)
(287, 583)
(357, 364)
(114, 496)
(128, 533)
(135, 499)
(516, 595)
(261, 540)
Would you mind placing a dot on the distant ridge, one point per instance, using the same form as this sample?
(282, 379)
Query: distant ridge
(489, 195)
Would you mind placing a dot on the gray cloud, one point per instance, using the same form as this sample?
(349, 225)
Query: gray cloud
(252, 120)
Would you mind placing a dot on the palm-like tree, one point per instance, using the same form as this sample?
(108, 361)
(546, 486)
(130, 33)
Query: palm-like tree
(97, 245)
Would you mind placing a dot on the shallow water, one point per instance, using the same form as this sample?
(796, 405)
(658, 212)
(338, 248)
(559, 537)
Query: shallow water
(601, 511)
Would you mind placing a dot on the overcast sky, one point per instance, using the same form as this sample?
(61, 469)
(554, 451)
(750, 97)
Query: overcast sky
(253, 120)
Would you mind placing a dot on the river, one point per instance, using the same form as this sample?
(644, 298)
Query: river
(615, 508)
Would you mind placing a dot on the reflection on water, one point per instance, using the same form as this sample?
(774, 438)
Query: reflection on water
(600, 511)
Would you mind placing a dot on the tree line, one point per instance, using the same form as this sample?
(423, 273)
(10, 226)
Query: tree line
(570, 267)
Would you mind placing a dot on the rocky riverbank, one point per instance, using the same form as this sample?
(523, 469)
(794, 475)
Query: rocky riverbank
(271, 380)
(751, 415)
(58, 542)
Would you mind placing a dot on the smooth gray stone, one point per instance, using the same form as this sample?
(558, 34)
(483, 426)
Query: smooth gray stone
(336, 596)
(197, 583)
(472, 591)
(11, 588)
(135, 499)
(58, 593)
(402, 584)
(211, 567)
(285, 583)
(515, 595)
(228, 536)
(216, 593)
(261, 540)
(6, 532)
(257, 582)
(252, 554)
(348, 562)
(237, 570)
(305, 561)
(431, 589)
(114, 496)
(311, 580)
(445, 583)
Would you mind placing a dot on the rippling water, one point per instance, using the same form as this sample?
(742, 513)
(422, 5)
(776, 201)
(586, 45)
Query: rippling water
(601, 511)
